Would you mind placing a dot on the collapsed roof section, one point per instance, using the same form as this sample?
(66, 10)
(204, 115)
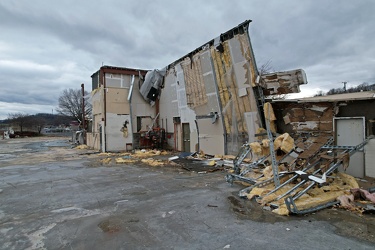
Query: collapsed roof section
(283, 82)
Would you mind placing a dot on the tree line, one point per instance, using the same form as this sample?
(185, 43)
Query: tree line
(70, 108)
(362, 87)
(35, 123)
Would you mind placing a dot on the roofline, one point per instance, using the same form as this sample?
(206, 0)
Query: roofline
(239, 29)
(328, 99)
(120, 70)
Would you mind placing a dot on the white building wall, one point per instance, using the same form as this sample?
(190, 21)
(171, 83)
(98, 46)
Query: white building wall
(370, 159)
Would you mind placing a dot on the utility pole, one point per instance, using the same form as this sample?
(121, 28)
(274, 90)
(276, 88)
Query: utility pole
(344, 86)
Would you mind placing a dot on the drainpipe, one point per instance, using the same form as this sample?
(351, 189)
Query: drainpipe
(131, 106)
(157, 107)
(105, 113)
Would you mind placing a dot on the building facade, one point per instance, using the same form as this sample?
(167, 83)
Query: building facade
(207, 100)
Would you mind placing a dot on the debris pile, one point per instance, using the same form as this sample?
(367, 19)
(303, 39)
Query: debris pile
(202, 163)
(305, 178)
(359, 200)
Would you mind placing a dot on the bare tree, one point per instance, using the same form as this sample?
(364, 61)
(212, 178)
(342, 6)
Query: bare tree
(266, 68)
(362, 87)
(319, 93)
(70, 104)
(21, 120)
(38, 122)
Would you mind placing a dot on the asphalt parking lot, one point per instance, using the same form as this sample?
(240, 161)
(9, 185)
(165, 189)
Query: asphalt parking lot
(57, 197)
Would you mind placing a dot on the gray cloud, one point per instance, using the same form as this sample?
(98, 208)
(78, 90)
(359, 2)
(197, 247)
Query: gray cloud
(50, 46)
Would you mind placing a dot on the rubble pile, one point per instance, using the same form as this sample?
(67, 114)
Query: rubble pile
(305, 178)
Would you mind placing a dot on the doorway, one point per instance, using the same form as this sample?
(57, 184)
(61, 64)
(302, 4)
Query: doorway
(185, 137)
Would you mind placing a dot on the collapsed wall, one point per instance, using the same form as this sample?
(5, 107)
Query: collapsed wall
(207, 100)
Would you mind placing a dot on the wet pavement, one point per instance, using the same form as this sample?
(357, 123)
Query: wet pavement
(79, 204)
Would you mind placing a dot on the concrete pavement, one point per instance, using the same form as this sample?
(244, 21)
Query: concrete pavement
(79, 205)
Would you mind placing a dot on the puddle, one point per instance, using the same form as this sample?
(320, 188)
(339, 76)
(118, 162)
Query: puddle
(43, 146)
(62, 143)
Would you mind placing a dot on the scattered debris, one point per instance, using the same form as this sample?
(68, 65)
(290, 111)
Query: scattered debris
(209, 205)
(106, 160)
(153, 162)
(307, 172)
(173, 158)
(359, 200)
(121, 160)
(144, 153)
(82, 146)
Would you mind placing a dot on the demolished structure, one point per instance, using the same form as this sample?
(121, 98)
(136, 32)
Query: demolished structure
(206, 100)
(212, 100)
(332, 135)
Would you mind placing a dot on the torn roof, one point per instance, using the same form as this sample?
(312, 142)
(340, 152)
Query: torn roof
(239, 29)
(366, 95)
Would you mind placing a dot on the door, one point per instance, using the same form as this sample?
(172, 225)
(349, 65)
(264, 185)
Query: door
(186, 137)
(350, 131)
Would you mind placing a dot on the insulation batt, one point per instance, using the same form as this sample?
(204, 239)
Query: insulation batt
(314, 197)
(266, 147)
(285, 142)
(256, 148)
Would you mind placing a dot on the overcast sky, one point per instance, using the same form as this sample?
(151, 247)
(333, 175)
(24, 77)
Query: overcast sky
(49, 46)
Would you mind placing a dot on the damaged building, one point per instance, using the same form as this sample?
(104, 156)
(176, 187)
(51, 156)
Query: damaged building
(207, 100)
(321, 145)
(214, 100)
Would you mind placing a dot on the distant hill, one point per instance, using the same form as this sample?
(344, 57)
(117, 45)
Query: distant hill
(50, 119)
